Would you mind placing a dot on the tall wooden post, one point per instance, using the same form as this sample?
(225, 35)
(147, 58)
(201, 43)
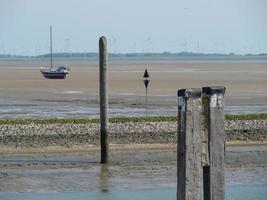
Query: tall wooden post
(189, 168)
(213, 170)
(104, 138)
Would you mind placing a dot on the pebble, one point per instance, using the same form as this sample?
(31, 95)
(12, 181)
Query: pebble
(41, 135)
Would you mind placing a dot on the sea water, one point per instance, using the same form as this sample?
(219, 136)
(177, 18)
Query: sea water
(233, 192)
(14, 110)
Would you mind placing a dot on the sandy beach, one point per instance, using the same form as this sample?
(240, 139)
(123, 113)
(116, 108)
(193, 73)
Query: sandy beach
(24, 91)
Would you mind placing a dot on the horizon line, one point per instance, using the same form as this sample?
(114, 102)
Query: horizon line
(164, 53)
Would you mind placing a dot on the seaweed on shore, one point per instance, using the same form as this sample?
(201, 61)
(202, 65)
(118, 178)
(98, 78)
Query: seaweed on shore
(262, 116)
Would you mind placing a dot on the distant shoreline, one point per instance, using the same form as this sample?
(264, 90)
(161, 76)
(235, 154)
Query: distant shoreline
(139, 56)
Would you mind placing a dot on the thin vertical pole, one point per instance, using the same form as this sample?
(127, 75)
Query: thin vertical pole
(103, 68)
(213, 174)
(146, 101)
(189, 168)
(51, 49)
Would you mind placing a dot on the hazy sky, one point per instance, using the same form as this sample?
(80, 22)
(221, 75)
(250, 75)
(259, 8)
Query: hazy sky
(219, 26)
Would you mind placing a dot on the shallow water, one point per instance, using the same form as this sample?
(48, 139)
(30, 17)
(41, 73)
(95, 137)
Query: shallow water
(233, 192)
(132, 174)
(15, 109)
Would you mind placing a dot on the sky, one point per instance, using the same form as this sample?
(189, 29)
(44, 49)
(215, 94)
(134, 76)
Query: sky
(131, 26)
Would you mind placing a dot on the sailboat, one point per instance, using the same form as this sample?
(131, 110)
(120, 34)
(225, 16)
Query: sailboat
(59, 72)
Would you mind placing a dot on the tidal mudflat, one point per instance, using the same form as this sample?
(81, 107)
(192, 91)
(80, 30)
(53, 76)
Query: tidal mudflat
(25, 93)
(136, 170)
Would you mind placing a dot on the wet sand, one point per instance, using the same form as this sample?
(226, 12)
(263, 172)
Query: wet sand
(24, 91)
(22, 86)
(136, 167)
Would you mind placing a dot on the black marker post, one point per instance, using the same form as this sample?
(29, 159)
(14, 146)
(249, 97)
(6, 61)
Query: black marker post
(146, 81)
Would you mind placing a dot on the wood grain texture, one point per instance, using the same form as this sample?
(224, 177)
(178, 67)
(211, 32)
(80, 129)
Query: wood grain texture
(214, 180)
(189, 168)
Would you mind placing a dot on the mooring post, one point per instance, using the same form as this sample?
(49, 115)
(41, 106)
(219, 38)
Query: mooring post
(213, 164)
(189, 168)
(104, 137)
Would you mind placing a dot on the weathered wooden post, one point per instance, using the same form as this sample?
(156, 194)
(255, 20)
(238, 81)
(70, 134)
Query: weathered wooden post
(104, 137)
(201, 144)
(213, 163)
(189, 168)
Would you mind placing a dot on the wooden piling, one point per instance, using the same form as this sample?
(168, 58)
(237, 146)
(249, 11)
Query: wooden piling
(201, 144)
(213, 171)
(189, 168)
(103, 68)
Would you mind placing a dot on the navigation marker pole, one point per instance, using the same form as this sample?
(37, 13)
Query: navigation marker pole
(146, 81)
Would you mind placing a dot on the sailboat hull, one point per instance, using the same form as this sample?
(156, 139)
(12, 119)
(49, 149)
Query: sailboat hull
(52, 75)
(55, 72)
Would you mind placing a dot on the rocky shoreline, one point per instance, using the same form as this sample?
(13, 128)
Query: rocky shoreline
(44, 135)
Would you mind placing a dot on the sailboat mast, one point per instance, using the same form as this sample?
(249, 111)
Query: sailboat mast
(51, 50)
